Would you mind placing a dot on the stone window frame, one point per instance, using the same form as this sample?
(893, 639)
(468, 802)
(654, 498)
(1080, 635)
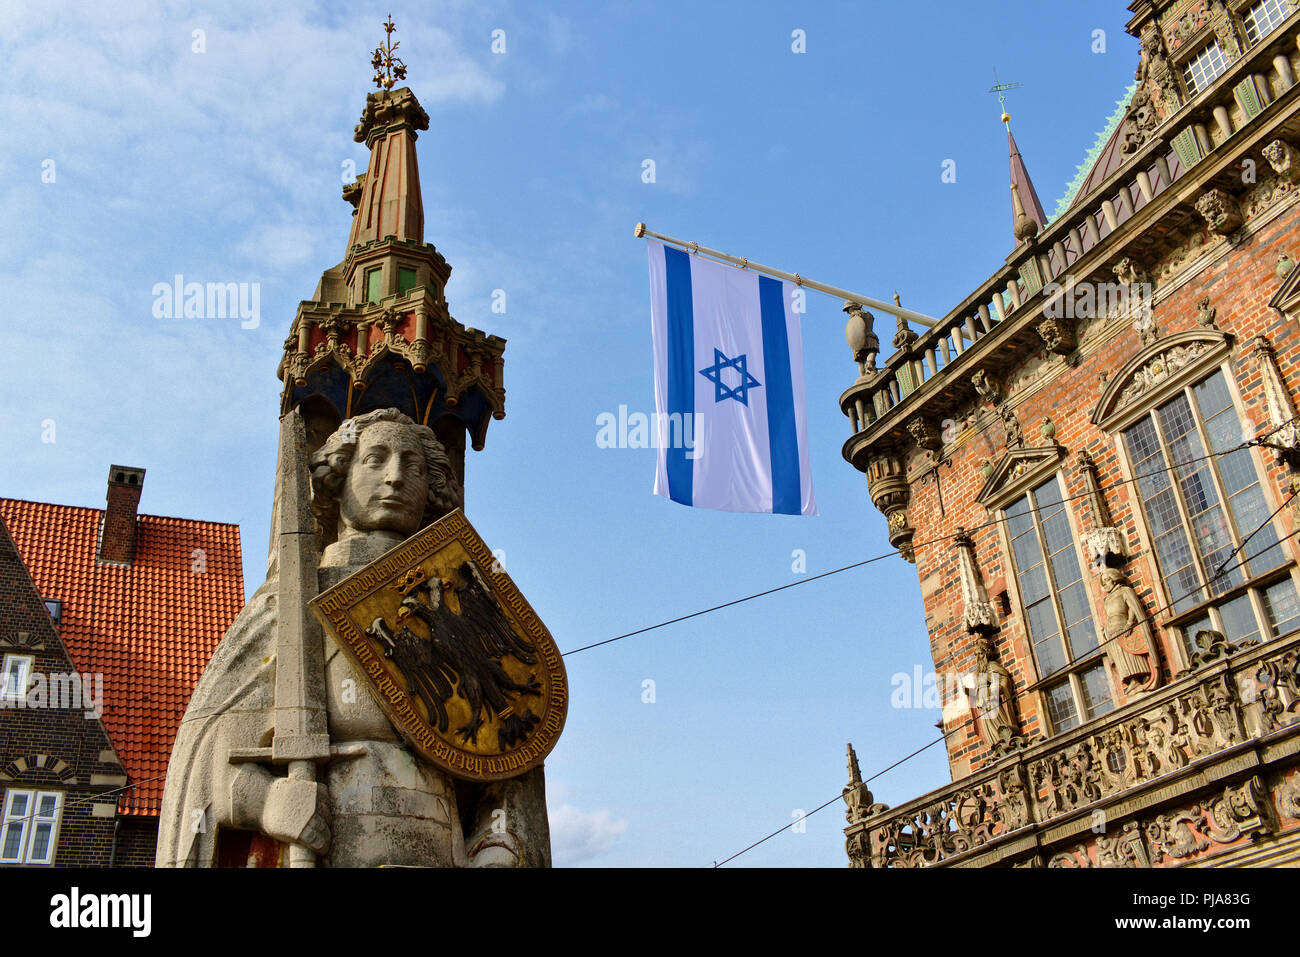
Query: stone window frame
(11, 694)
(1115, 420)
(29, 820)
(1038, 685)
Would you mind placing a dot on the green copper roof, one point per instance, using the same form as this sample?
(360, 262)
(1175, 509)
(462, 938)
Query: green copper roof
(1081, 173)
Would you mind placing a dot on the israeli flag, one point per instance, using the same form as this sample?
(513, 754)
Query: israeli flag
(729, 388)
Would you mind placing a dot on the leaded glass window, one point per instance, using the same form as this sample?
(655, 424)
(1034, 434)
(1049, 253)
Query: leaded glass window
(1208, 516)
(1058, 616)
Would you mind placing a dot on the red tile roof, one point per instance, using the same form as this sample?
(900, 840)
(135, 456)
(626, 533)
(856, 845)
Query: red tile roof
(149, 628)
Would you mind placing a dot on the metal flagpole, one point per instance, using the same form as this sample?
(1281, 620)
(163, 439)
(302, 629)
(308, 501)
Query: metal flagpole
(919, 318)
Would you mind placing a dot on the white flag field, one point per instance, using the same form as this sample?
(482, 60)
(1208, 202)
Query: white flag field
(729, 387)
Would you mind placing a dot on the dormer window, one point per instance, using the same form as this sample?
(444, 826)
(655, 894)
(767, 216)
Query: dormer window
(1201, 70)
(1264, 17)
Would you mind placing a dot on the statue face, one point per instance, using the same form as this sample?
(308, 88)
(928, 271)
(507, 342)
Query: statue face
(388, 482)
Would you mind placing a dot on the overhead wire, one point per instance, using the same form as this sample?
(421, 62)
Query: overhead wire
(1150, 618)
(1258, 441)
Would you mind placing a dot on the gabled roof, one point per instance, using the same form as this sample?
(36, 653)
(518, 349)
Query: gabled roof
(149, 627)
(1102, 159)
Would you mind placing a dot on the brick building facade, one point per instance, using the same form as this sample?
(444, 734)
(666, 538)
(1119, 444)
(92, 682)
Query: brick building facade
(1091, 461)
(107, 618)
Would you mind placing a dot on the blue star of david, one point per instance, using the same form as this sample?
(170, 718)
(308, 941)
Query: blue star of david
(723, 391)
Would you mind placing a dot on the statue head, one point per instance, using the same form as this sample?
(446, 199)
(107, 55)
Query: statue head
(381, 472)
(1110, 577)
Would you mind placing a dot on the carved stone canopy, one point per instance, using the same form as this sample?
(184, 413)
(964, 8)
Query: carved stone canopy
(977, 611)
(1157, 372)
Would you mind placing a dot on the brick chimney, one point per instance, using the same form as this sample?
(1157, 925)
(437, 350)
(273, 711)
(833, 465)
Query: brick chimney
(117, 533)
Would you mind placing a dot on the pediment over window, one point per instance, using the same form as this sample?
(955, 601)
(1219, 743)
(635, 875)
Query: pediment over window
(1018, 471)
(1156, 373)
(1287, 297)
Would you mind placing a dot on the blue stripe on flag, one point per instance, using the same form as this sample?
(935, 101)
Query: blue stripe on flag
(782, 434)
(681, 369)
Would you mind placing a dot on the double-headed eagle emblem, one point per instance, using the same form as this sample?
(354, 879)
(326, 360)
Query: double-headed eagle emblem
(462, 654)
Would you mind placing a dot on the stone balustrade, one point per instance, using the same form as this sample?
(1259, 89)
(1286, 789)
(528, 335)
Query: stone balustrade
(1076, 244)
(1236, 703)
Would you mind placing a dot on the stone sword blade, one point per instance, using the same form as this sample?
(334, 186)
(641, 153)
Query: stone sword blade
(301, 731)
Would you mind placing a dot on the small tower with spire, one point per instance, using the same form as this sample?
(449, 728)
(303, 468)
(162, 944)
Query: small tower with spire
(1027, 216)
(378, 333)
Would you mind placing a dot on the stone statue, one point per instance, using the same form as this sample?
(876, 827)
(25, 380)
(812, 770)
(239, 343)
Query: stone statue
(995, 701)
(1015, 436)
(374, 482)
(1131, 649)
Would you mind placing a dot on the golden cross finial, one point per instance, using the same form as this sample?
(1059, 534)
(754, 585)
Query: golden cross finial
(388, 68)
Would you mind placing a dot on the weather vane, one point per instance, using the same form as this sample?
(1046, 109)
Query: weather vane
(388, 68)
(1001, 90)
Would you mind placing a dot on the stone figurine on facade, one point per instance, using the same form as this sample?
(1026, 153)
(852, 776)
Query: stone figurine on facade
(995, 701)
(1130, 647)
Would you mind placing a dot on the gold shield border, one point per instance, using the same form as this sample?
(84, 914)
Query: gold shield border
(332, 605)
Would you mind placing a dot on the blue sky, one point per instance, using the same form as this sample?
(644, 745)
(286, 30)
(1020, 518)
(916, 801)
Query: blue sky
(225, 165)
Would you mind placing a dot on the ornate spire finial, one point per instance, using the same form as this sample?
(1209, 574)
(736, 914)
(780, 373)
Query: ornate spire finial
(388, 68)
(855, 773)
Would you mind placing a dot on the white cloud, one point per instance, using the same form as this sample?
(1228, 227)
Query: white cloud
(578, 836)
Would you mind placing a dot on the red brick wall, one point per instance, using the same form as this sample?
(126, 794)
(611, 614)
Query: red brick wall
(1239, 287)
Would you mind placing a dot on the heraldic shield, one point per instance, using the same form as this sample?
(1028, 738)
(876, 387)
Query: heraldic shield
(455, 656)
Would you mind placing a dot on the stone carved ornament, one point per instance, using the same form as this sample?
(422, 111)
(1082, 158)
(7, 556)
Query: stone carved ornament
(1014, 436)
(1220, 210)
(1205, 719)
(1284, 159)
(977, 611)
(968, 818)
(1159, 368)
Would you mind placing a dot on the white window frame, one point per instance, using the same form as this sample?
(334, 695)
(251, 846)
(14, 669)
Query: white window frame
(28, 822)
(16, 694)
(1199, 72)
(1274, 13)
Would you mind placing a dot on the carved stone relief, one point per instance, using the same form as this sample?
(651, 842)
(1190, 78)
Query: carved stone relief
(1220, 210)
(1159, 368)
